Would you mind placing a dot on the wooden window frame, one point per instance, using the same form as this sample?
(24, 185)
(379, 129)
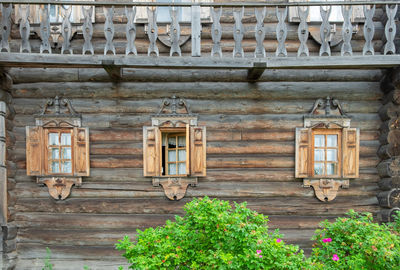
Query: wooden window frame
(326, 132)
(167, 149)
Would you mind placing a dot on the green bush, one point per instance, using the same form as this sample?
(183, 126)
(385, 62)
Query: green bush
(356, 242)
(212, 235)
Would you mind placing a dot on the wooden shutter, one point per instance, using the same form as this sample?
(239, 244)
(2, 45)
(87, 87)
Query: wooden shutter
(350, 148)
(34, 151)
(151, 151)
(198, 151)
(302, 162)
(81, 152)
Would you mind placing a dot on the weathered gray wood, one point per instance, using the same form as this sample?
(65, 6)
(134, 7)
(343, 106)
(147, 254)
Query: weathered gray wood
(260, 32)
(87, 30)
(390, 29)
(255, 73)
(303, 32)
(6, 10)
(45, 30)
(347, 31)
(281, 32)
(238, 33)
(175, 33)
(196, 30)
(369, 29)
(109, 30)
(130, 31)
(115, 72)
(24, 29)
(216, 32)
(325, 31)
(152, 31)
(389, 183)
(66, 32)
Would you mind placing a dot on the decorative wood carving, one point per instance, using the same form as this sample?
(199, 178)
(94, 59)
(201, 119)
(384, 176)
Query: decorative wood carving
(59, 187)
(216, 32)
(347, 31)
(325, 31)
(45, 30)
(175, 33)
(24, 29)
(326, 189)
(6, 10)
(109, 30)
(152, 31)
(238, 32)
(303, 32)
(87, 30)
(260, 32)
(66, 31)
(281, 31)
(130, 31)
(196, 31)
(369, 30)
(175, 187)
(390, 29)
(389, 199)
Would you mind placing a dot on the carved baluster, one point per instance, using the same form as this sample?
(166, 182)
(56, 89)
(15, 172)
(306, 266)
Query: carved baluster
(45, 30)
(238, 33)
(109, 30)
(347, 31)
(325, 31)
(281, 32)
(130, 31)
(152, 31)
(260, 32)
(175, 32)
(87, 30)
(369, 30)
(216, 32)
(390, 29)
(6, 10)
(24, 29)
(302, 31)
(66, 31)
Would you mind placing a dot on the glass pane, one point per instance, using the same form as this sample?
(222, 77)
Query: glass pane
(66, 153)
(66, 167)
(331, 155)
(319, 140)
(319, 154)
(65, 139)
(55, 153)
(172, 142)
(172, 168)
(181, 168)
(332, 140)
(181, 141)
(55, 168)
(181, 155)
(53, 138)
(318, 168)
(171, 155)
(331, 169)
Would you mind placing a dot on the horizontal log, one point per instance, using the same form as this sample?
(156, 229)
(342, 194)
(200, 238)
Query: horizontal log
(389, 150)
(390, 137)
(66, 264)
(388, 111)
(389, 168)
(389, 183)
(392, 96)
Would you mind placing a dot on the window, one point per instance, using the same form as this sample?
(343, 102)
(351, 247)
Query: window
(174, 154)
(325, 151)
(59, 151)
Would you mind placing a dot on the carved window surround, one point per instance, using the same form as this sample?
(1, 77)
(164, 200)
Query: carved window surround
(61, 163)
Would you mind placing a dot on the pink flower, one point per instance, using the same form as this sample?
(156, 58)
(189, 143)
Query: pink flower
(325, 240)
(278, 240)
(258, 251)
(260, 256)
(335, 257)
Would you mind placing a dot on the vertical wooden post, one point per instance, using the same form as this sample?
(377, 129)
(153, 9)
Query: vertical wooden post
(325, 31)
(281, 32)
(6, 11)
(369, 30)
(196, 31)
(3, 169)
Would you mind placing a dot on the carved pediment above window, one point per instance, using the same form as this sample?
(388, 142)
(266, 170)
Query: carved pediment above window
(58, 112)
(174, 112)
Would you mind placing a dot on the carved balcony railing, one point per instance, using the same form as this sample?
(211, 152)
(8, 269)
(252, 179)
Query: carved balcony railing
(246, 33)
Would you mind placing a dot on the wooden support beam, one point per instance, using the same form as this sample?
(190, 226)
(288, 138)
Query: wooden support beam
(3, 169)
(115, 72)
(255, 73)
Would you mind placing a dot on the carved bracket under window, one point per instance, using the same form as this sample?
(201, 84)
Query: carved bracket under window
(60, 187)
(175, 187)
(325, 189)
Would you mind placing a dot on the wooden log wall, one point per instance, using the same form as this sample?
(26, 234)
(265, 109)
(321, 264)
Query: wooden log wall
(250, 154)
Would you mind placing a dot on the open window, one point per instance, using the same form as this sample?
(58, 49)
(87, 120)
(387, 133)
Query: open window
(327, 149)
(174, 151)
(57, 148)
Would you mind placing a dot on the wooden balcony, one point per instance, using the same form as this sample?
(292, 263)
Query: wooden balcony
(227, 35)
